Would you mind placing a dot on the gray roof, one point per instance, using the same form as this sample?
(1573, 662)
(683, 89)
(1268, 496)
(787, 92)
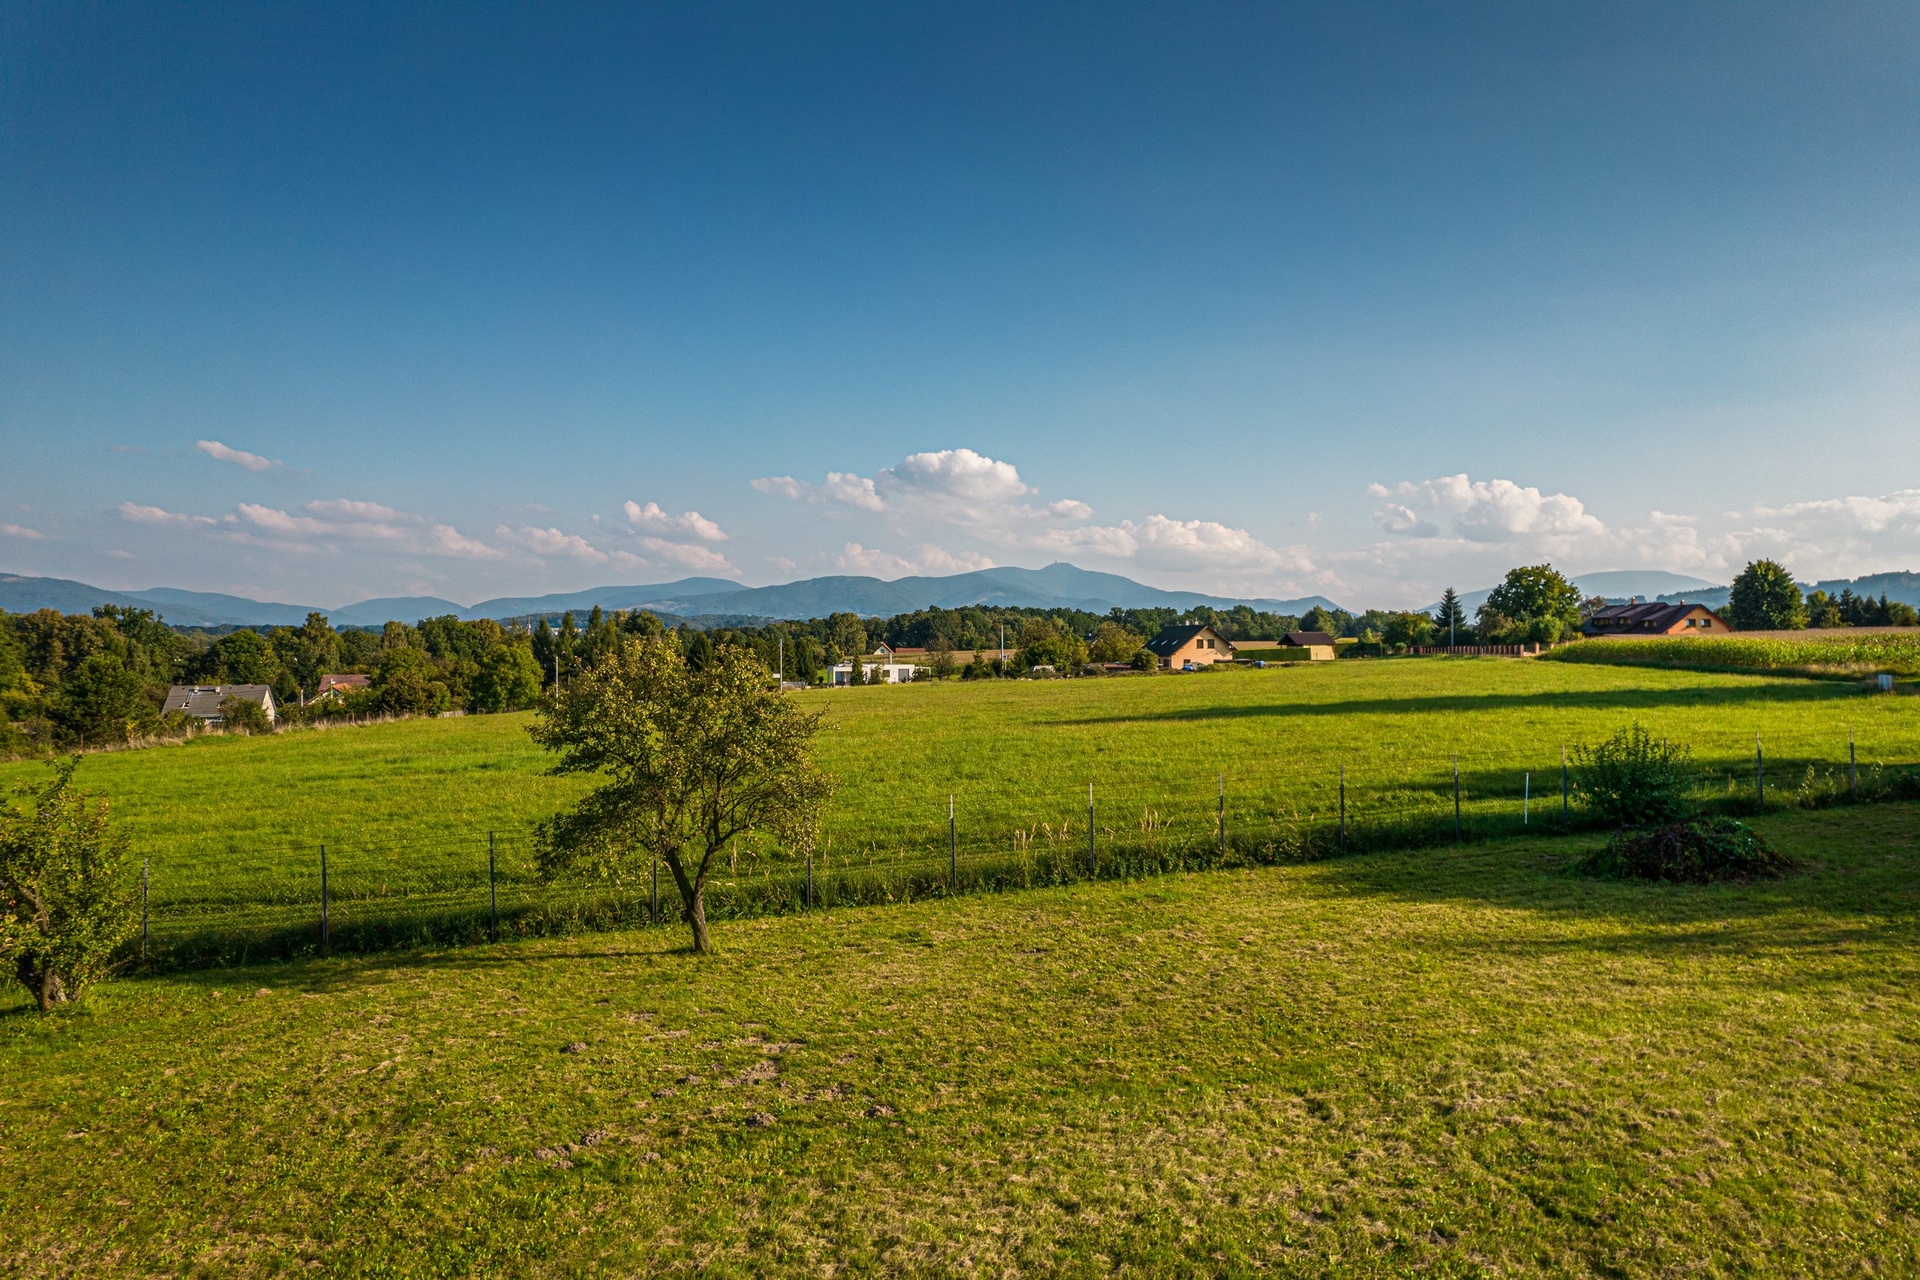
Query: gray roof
(1168, 642)
(203, 700)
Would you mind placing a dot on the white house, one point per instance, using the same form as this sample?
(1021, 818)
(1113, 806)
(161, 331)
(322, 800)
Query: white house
(875, 672)
(202, 701)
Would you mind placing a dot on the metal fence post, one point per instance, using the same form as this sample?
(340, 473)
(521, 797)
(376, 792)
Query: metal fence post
(1759, 772)
(493, 900)
(1456, 799)
(653, 901)
(145, 865)
(1223, 815)
(1526, 799)
(326, 925)
(953, 849)
(809, 879)
(1343, 808)
(1092, 858)
(1566, 810)
(1853, 775)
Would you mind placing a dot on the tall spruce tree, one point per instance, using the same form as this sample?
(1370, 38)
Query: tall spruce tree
(1451, 621)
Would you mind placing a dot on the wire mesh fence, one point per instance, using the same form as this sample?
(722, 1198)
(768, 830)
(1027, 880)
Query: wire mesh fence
(231, 901)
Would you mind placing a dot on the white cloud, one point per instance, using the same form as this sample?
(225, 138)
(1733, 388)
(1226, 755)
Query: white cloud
(239, 457)
(552, 542)
(926, 559)
(450, 541)
(685, 555)
(138, 514)
(987, 500)
(1482, 510)
(652, 518)
(321, 525)
(21, 531)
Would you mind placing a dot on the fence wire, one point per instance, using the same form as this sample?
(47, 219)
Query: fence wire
(233, 901)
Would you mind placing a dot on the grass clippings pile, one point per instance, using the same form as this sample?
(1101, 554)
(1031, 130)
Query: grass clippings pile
(1699, 850)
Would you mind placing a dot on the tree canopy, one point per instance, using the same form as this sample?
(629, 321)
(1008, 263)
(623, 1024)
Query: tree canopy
(1766, 598)
(688, 761)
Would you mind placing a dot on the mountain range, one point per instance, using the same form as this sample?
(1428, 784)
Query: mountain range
(1058, 586)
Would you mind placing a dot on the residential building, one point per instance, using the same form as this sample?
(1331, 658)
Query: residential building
(1189, 646)
(1320, 646)
(203, 701)
(874, 672)
(1655, 619)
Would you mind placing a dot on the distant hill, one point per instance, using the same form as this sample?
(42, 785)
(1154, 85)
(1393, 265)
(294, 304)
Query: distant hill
(1058, 586)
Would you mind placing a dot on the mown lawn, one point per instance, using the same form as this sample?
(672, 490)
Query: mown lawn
(1458, 1062)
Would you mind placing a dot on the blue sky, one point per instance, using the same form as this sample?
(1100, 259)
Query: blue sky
(325, 302)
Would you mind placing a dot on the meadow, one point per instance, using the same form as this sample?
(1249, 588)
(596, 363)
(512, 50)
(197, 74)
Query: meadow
(1452, 1062)
(232, 825)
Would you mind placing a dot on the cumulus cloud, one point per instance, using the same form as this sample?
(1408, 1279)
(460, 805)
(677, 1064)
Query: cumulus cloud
(1482, 510)
(688, 523)
(987, 500)
(686, 555)
(239, 457)
(21, 531)
(551, 542)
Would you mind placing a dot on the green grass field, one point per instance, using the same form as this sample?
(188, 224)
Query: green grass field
(232, 824)
(1449, 1062)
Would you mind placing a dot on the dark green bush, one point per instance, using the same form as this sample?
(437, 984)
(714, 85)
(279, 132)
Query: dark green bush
(1634, 780)
(1697, 851)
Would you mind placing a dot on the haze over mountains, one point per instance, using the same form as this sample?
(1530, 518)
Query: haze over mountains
(1058, 586)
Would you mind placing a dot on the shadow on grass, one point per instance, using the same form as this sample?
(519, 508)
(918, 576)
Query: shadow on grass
(1858, 862)
(1772, 692)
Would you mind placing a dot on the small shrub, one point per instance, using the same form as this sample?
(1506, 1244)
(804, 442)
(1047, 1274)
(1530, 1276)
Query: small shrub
(1697, 851)
(67, 890)
(244, 715)
(1633, 779)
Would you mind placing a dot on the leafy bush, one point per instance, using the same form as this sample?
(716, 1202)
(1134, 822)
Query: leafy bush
(66, 891)
(1634, 780)
(244, 715)
(1697, 851)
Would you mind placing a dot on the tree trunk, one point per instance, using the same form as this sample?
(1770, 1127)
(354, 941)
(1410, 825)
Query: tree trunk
(48, 988)
(693, 898)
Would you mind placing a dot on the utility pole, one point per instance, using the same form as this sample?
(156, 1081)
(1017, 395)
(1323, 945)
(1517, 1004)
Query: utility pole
(783, 660)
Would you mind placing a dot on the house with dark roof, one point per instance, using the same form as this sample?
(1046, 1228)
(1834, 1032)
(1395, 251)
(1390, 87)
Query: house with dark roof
(1655, 619)
(1189, 646)
(203, 701)
(1319, 645)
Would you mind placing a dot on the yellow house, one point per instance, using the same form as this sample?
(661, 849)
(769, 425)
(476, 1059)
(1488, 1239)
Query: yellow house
(1191, 645)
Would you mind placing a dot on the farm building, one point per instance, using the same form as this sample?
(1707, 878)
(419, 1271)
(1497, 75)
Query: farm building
(1182, 647)
(202, 701)
(1633, 619)
(874, 672)
(1319, 645)
(893, 653)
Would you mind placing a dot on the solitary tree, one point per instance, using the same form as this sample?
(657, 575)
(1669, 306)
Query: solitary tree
(1534, 602)
(1766, 598)
(66, 890)
(688, 761)
(1452, 619)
